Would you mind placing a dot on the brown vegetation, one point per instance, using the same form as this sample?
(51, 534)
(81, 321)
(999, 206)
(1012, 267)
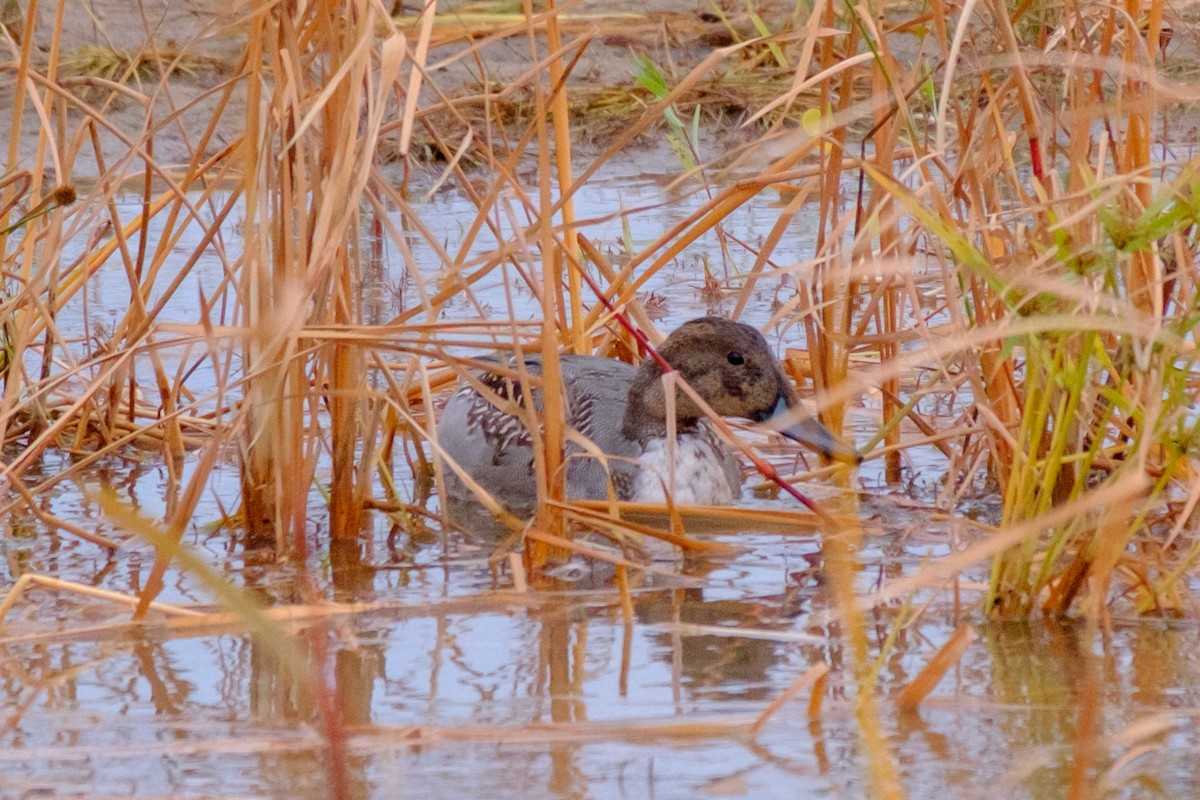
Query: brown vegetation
(1003, 226)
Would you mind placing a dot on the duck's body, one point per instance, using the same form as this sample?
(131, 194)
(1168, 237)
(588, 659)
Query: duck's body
(496, 450)
(706, 472)
(622, 411)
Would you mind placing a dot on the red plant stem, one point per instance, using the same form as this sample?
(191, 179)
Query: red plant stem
(765, 469)
(1035, 158)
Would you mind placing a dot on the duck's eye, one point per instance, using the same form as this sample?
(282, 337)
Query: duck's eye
(736, 358)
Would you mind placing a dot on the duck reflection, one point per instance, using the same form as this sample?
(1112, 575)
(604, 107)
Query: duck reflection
(715, 665)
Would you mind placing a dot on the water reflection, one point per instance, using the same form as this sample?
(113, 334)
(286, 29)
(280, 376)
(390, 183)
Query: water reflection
(443, 698)
(561, 675)
(159, 713)
(717, 666)
(190, 714)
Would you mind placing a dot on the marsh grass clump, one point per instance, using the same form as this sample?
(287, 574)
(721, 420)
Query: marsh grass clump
(1034, 270)
(1106, 405)
(992, 224)
(1051, 256)
(133, 66)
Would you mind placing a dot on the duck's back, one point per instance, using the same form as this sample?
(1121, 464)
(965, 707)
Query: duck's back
(495, 448)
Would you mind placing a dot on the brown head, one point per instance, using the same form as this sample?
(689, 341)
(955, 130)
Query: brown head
(733, 369)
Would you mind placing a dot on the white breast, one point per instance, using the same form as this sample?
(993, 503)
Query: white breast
(699, 475)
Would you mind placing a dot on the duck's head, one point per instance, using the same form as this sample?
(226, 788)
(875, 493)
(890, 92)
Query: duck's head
(731, 367)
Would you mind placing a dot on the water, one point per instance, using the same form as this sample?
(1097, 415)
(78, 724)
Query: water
(450, 689)
(452, 685)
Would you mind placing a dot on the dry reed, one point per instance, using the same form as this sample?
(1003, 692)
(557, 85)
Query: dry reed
(1009, 247)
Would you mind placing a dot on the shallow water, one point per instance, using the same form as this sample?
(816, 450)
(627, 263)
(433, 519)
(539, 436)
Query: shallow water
(448, 690)
(453, 686)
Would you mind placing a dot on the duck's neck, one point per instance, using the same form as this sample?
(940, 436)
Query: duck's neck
(646, 411)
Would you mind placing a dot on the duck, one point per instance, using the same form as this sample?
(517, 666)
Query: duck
(622, 411)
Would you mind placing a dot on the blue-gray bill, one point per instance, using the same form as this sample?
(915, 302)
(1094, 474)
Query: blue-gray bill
(809, 432)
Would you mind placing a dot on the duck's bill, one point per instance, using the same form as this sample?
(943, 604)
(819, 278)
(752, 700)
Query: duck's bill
(809, 432)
